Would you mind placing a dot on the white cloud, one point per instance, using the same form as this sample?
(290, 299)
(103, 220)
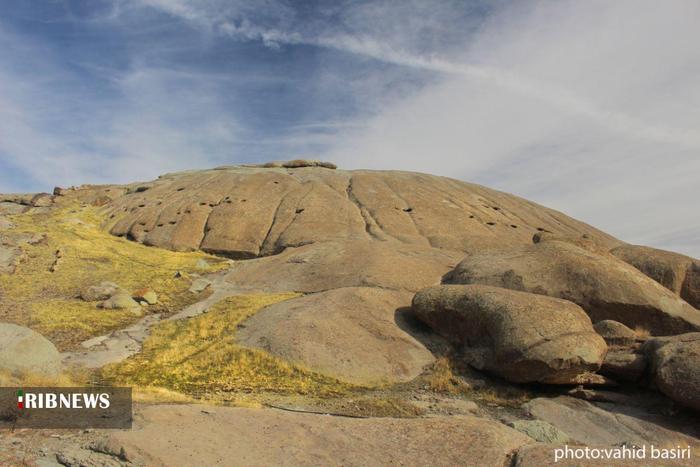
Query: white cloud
(592, 108)
(588, 107)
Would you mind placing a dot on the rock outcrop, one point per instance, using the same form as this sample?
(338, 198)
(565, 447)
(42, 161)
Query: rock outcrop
(676, 272)
(244, 212)
(603, 285)
(520, 336)
(25, 352)
(675, 367)
(349, 333)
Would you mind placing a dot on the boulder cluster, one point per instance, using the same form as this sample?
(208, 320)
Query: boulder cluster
(113, 297)
(527, 314)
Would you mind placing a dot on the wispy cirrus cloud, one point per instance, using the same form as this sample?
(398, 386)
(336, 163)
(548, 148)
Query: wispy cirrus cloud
(590, 107)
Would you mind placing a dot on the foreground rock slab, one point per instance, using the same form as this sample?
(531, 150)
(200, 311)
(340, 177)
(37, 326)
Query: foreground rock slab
(520, 336)
(189, 435)
(349, 333)
(589, 424)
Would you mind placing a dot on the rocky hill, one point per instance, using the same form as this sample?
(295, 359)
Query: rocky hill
(359, 293)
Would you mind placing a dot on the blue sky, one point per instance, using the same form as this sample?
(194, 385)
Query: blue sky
(588, 107)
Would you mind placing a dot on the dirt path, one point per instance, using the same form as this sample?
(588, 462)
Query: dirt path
(123, 343)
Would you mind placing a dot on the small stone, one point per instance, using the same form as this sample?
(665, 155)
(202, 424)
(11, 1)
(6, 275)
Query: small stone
(146, 295)
(41, 200)
(58, 191)
(120, 301)
(103, 291)
(200, 285)
(202, 264)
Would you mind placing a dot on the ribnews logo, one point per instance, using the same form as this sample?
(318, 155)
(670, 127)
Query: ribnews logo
(64, 401)
(84, 407)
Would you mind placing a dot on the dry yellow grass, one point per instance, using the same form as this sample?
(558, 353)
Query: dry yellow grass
(46, 301)
(200, 356)
(66, 379)
(441, 378)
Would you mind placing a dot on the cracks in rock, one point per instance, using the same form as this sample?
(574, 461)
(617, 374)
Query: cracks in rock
(263, 245)
(206, 221)
(366, 216)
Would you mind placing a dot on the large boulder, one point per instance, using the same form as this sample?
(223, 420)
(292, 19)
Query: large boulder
(520, 336)
(676, 272)
(25, 352)
(348, 333)
(675, 367)
(603, 285)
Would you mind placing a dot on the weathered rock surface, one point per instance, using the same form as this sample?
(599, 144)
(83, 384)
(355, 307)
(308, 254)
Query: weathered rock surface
(589, 424)
(540, 431)
(615, 333)
(201, 435)
(353, 263)
(41, 200)
(349, 333)
(244, 212)
(624, 365)
(520, 336)
(676, 272)
(9, 208)
(23, 351)
(675, 367)
(603, 285)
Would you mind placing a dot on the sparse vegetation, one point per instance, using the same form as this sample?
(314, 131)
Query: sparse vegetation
(200, 357)
(442, 378)
(394, 407)
(46, 300)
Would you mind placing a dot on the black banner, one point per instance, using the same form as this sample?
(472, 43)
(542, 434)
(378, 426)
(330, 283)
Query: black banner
(67, 407)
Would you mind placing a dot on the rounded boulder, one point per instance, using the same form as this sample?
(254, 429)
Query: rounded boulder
(520, 336)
